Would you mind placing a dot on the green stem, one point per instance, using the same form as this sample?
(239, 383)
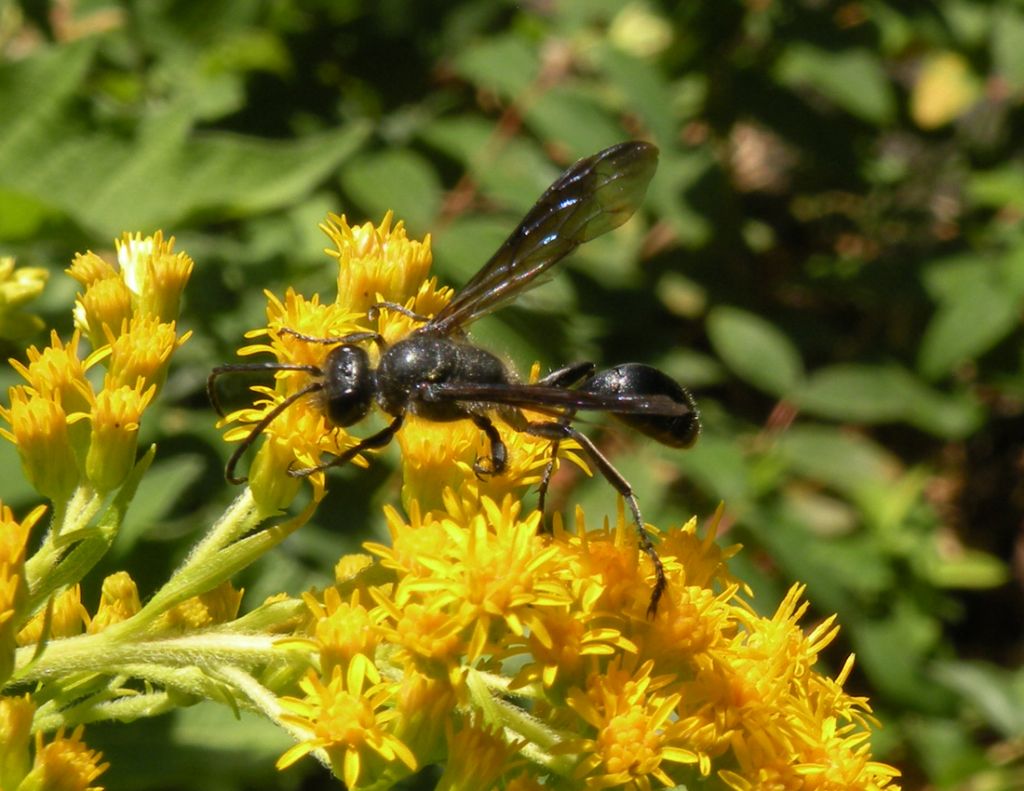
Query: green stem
(97, 653)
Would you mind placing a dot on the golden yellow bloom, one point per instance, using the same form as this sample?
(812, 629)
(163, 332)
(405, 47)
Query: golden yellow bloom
(19, 286)
(58, 372)
(376, 264)
(88, 268)
(68, 618)
(346, 720)
(440, 456)
(142, 349)
(64, 764)
(148, 281)
(39, 428)
(119, 601)
(219, 605)
(477, 757)
(115, 420)
(104, 307)
(421, 702)
(15, 735)
(344, 631)
(13, 587)
(154, 273)
(633, 731)
(564, 652)
(486, 566)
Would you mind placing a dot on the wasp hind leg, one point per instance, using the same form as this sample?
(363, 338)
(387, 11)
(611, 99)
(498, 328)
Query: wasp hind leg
(558, 431)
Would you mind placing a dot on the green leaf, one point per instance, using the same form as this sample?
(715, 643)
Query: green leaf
(886, 394)
(580, 121)
(110, 185)
(847, 462)
(33, 93)
(400, 180)
(679, 172)
(997, 693)
(972, 320)
(967, 569)
(158, 492)
(755, 350)
(1001, 188)
(1008, 47)
(853, 79)
(644, 89)
(505, 64)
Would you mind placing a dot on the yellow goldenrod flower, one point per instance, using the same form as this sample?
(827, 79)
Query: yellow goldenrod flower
(105, 307)
(477, 757)
(633, 730)
(219, 605)
(376, 264)
(64, 764)
(13, 587)
(119, 601)
(115, 417)
(58, 371)
(39, 429)
(421, 702)
(142, 349)
(15, 736)
(88, 268)
(67, 618)
(148, 281)
(344, 631)
(440, 456)
(485, 566)
(564, 651)
(19, 286)
(347, 723)
(154, 273)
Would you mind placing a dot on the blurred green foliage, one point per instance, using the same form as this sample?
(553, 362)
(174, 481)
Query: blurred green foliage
(832, 259)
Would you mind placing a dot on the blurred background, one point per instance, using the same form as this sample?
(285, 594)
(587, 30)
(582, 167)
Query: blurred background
(831, 257)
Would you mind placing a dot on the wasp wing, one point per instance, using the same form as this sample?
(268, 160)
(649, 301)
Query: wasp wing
(592, 197)
(554, 400)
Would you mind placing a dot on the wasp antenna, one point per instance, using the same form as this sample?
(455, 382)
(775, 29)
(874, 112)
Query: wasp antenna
(260, 427)
(353, 338)
(236, 368)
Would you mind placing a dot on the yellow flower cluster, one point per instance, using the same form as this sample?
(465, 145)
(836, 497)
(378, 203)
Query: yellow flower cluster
(515, 656)
(67, 433)
(77, 444)
(64, 762)
(518, 658)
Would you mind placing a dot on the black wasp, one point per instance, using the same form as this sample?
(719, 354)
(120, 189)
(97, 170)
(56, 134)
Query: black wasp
(437, 374)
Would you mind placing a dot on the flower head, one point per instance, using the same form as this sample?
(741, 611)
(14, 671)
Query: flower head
(18, 287)
(65, 763)
(345, 719)
(13, 586)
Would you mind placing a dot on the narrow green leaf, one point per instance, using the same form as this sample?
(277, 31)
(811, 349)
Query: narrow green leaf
(400, 180)
(963, 328)
(853, 79)
(755, 350)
